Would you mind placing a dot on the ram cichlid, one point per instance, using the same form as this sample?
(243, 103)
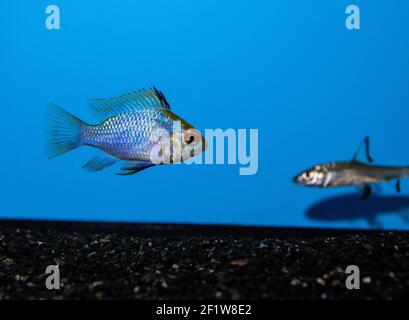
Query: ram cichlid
(137, 127)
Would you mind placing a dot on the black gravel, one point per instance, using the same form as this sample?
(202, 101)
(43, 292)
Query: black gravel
(113, 266)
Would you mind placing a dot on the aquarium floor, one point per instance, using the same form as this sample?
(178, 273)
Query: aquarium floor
(119, 265)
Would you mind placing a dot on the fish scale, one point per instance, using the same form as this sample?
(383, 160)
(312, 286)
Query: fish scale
(128, 135)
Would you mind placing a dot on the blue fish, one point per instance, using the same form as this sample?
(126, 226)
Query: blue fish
(137, 127)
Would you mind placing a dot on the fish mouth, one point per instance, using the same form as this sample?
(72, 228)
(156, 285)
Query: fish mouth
(297, 179)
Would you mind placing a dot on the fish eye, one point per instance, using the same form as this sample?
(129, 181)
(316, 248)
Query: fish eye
(191, 139)
(309, 176)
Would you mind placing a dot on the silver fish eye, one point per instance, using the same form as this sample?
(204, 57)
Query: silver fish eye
(310, 177)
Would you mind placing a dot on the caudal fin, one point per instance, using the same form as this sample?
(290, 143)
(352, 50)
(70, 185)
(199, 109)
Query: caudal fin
(63, 131)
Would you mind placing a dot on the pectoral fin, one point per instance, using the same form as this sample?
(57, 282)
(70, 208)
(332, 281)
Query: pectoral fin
(363, 153)
(99, 162)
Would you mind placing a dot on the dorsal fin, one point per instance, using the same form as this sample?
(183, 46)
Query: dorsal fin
(150, 98)
(363, 154)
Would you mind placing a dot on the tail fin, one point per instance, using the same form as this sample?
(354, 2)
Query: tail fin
(63, 131)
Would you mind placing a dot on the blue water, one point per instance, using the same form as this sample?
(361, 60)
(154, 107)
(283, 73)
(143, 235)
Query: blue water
(290, 69)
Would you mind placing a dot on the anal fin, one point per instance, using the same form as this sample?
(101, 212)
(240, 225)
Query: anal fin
(398, 188)
(100, 161)
(134, 167)
(366, 191)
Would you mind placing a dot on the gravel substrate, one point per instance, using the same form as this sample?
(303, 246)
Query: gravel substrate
(112, 266)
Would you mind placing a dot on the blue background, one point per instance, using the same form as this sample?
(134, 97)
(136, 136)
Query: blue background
(289, 68)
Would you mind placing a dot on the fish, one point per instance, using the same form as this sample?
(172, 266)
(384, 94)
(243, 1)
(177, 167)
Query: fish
(357, 172)
(137, 128)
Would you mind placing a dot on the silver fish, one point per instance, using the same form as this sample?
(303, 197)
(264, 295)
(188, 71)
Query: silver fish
(137, 127)
(357, 172)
